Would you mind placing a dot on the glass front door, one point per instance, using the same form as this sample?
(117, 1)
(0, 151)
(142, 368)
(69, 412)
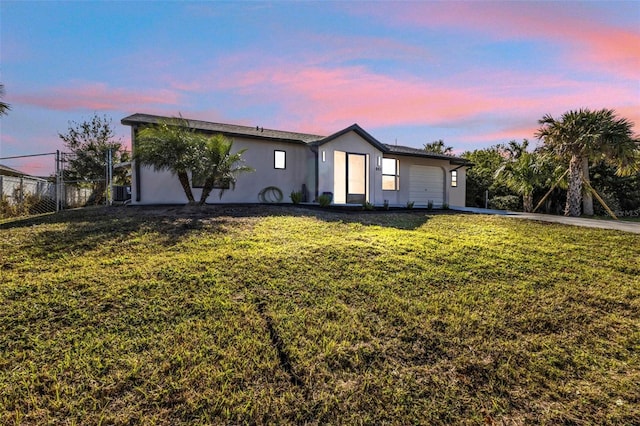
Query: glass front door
(356, 178)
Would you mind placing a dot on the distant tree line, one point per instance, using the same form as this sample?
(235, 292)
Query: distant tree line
(584, 155)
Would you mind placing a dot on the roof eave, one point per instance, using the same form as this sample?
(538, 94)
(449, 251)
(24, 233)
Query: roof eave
(147, 119)
(359, 131)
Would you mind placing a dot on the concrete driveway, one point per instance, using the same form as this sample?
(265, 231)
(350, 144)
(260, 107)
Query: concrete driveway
(617, 225)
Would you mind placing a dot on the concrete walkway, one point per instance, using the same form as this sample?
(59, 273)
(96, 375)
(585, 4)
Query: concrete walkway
(617, 225)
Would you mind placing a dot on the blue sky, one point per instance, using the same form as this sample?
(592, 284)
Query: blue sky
(471, 73)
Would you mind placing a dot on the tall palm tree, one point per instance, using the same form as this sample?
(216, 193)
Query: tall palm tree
(218, 167)
(583, 136)
(169, 145)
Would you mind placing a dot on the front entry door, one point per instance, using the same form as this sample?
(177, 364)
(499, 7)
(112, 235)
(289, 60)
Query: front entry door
(356, 178)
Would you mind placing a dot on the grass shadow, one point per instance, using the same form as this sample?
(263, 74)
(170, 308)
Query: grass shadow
(82, 230)
(398, 219)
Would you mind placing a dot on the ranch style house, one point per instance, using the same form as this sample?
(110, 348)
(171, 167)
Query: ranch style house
(350, 165)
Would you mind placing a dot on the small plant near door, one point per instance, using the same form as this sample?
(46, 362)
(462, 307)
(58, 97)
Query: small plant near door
(296, 197)
(410, 205)
(430, 205)
(386, 204)
(367, 206)
(324, 200)
(445, 206)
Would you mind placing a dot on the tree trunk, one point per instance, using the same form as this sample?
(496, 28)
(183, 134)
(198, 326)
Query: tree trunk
(206, 190)
(527, 203)
(587, 198)
(574, 192)
(186, 186)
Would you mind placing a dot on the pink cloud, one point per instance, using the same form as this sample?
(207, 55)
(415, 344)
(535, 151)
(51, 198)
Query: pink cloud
(506, 134)
(590, 40)
(6, 139)
(97, 97)
(324, 99)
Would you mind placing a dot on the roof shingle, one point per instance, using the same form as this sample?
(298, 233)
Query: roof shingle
(294, 137)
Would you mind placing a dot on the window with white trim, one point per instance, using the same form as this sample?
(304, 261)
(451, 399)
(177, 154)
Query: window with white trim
(454, 178)
(390, 174)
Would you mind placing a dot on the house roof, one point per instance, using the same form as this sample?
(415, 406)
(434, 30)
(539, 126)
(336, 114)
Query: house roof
(8, 171)
(417, 152)
(228, 129)
(294, 137)
(359, 131)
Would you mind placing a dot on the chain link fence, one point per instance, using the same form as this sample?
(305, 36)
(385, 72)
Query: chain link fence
(23, 194)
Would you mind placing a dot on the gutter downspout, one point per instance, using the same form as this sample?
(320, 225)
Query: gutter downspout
(315, 150)
(136, 165)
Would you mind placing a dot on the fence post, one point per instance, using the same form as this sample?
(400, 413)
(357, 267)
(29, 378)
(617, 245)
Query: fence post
(58, 183)
(110, 176)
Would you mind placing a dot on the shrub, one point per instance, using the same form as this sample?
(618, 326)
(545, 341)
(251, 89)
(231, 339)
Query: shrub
(296, 197)
(367, 206)
(410, 205)
(445, 206)
(610, 200)
(505, 202)
(430, 205)
(324, 200)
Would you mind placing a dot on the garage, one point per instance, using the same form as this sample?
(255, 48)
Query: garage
(426, 183)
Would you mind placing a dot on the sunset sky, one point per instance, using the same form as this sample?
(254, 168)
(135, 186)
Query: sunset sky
(472, 73)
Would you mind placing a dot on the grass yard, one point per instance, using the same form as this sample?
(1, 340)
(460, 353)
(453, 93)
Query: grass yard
(272, 315)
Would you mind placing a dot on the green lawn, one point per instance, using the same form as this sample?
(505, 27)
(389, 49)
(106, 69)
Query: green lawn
(275, 315)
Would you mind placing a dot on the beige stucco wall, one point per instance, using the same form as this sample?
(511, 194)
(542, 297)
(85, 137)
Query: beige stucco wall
(164, 188)
(351, 143)
(458, 194)
(454, 196)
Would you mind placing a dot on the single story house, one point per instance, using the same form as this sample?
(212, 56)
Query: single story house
(350, 164)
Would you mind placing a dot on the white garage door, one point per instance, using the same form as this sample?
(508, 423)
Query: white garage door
(426, 184)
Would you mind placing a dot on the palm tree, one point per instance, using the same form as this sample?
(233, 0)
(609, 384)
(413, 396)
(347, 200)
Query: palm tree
(585, 136)
(4, 107)
(218, 167)
(438, 147)
(521, 171)
(170, 146)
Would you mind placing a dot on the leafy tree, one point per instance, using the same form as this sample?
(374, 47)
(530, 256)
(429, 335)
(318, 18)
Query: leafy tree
(89, 143)
(174, 146)
(4, 107)
(218, 167)
(438, 147)
(481, 177)
(584, 136)
(622, 191)
(171, 145)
